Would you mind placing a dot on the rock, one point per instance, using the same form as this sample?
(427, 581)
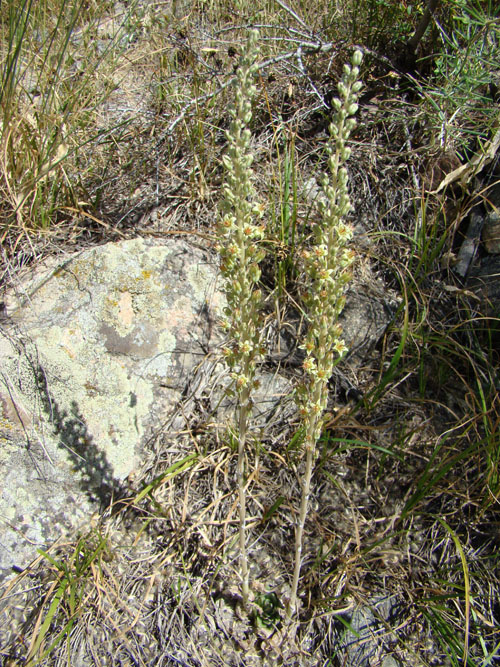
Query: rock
(95, 352)
(370, 308)
(484, 282)
(468, 250)
(368, 642)
(491, 233)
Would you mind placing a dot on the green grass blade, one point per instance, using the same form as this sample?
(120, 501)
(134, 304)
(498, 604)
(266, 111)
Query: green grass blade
(57, 564)
(361, 444)
(275, 506)
(59, 637)
(174, 470)
(430, 477)
(389, 375)
(465, 569)
(48, 620)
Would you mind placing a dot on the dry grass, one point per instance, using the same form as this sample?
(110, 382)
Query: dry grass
(405, 499)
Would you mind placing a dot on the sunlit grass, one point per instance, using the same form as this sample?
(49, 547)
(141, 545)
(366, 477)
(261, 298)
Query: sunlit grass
(55, 74)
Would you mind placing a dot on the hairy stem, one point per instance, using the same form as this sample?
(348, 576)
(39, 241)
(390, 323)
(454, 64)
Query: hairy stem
(299, 530)
(243, 418)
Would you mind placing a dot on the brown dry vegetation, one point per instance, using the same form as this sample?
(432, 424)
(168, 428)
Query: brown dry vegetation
(405, 494)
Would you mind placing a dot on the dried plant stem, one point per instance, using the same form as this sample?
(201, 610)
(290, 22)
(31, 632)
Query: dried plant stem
(310, 451)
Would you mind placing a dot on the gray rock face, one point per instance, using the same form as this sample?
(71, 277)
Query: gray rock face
(94, 354)
(483, 269)
(491, 233)
(368, 312)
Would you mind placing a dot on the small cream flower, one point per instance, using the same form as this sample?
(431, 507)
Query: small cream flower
(241, 381)
(245, 348)
(344, 232)
(309, 365)
(340, 347)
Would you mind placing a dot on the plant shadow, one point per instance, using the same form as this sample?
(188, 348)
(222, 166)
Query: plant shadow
(94, 471)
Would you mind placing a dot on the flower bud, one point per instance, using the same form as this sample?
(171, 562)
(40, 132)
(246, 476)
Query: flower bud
(257, 296)
(345, 153)
(357, 57)
(350, 124)
(259, 256)
(254, 273)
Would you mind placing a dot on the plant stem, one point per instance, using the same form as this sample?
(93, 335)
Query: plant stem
(299, 531)
(310, 447)
(243, 418)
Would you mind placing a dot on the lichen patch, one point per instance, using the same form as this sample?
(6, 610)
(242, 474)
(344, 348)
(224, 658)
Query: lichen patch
(125, 309)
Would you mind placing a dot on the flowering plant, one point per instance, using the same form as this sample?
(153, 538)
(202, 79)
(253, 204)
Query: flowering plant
(240, 228)
(327, 266)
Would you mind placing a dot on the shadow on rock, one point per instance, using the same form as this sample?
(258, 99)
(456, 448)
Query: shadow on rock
(89, 462)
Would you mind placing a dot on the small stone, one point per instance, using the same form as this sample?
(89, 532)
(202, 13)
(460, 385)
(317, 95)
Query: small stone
(491, 233)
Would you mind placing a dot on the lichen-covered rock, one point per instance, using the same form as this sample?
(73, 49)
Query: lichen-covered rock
(95, 353)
